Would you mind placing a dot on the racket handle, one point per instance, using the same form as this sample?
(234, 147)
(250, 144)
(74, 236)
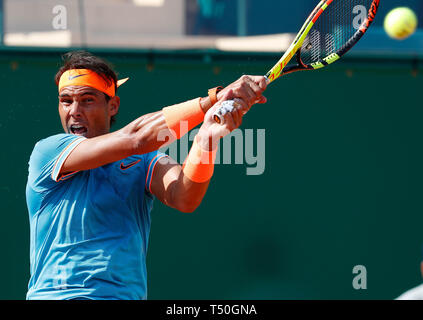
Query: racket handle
(226, 107)
(219, 114)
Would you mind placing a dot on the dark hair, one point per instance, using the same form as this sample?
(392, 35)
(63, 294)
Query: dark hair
(86, 60)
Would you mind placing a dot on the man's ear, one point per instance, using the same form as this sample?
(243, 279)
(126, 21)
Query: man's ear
(114, 104)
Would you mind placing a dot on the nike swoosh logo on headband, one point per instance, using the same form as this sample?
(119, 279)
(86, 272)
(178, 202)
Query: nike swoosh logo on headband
(77, 76)
(127, 166)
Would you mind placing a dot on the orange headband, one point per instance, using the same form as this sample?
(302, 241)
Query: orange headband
(86, 77)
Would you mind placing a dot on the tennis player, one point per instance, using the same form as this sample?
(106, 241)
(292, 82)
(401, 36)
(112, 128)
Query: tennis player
(90, 191)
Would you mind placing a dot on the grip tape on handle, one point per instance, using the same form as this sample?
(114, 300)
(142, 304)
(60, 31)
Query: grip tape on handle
(226, 107)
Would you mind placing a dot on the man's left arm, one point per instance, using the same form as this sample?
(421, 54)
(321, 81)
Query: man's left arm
(184, 187)
(174, 189)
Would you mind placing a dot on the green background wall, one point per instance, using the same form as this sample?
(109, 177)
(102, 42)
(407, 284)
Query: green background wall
(342, 185)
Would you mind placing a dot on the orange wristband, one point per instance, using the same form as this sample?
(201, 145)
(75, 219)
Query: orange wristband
(199, 165)
(213, 94)
(183, 117)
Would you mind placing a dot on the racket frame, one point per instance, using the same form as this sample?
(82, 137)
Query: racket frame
(278, 69)
(281, 68)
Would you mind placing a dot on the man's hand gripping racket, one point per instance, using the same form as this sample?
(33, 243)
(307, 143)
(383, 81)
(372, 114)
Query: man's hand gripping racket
(331, 30)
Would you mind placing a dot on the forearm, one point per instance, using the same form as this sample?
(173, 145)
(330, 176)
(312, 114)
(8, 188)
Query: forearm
(143, 135)
(152, 131)
(148, 133)
(188, 190)
(156, 129)
(186, 195)
(184, 187)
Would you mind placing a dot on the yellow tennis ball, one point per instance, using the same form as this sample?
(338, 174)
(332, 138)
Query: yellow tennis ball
(400, 23)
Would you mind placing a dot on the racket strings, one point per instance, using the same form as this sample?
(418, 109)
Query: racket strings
(332, 31)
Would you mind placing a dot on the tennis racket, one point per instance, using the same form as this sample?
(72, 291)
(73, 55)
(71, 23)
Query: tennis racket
(330, 31)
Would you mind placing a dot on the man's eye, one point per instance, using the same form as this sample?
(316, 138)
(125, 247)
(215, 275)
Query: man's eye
(66, 102)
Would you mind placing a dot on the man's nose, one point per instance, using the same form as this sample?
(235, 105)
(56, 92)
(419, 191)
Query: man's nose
(75, 109)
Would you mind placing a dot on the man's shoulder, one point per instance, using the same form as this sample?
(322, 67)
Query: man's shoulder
(55, 143)
(49, 149)
(57, 139)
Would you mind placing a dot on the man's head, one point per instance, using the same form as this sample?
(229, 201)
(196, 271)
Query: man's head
(87, 94)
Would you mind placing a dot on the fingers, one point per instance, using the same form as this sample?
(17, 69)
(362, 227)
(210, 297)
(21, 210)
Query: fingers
(229, 113)
(241, 106)
(236, 118)
(257, 84)
(261, 81)
(228, 95)
(256, 87)
(220, 108)
(262, 100)
(248, 89)
(233, 103)
(230, 120)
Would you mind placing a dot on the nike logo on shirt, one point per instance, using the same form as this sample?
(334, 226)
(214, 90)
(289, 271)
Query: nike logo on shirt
(127, 166)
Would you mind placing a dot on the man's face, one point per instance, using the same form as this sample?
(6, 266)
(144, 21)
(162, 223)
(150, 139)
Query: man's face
(84, 111)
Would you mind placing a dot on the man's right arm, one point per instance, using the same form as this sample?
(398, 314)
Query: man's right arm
(145, 134)
(138, 137)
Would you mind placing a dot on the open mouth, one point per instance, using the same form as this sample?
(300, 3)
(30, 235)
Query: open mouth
(78, 129)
